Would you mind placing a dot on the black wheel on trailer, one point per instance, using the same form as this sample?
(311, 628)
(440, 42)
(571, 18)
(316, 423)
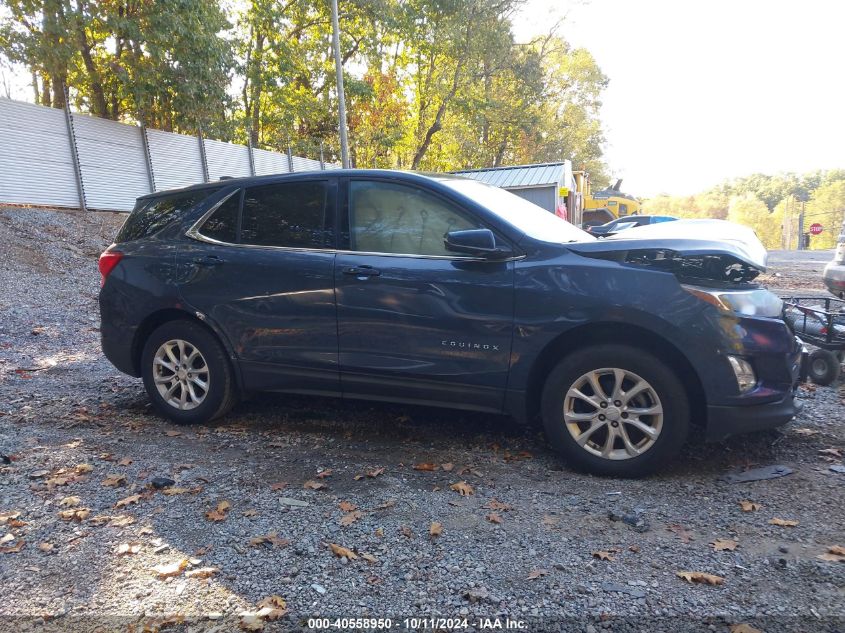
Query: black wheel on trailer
(823, 367)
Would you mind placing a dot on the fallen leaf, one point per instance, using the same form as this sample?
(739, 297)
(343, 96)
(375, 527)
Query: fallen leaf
(831, 558)
(127, 500)
(448, 466)
(83, 469)
(126, 548)
(324, 473)
(350, 518)
(836, 549)
(749, 506)
(114, 481)
(175, 490)
(347, 507)
(833, 452)
(126, 461)
(406, 531)
(173, 569)
(375, 472)
(783, 522)
(358, 477)
(251, 622)
(744, 628)
(537, 573)
(5, 517)
(369, 558)
(425, 466)
(46, 547)
(463, 488)
(250, 513)
(272, 539)
(379, 532)
(494, 518)
(436, 529)
(272, 608)
(494, 504)
(202, 572)
(314, 485)
(69, 502)
(342, 552)
(721, 545)
(13, 549)
(634, 548)
(7, 538)
(700, 577)
(121, 521)
(173, 433)
(281, 485)
(78, 514)
(603, 555)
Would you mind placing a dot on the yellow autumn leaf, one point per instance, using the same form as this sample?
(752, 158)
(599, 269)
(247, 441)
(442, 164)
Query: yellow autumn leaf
(342, 552)
(700, 577)
(202, 572)
(113, 481)
(783, 522)
(83, 469)
(173, 569)
(749, 506)
(602, 555)
(720, 545)
(436, 529)
(463, 488)
(127, 500)
(69, 502)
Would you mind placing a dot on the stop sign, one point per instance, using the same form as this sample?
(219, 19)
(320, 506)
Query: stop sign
(816, 228)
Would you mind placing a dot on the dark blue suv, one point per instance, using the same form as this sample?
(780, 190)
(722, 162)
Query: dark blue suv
(444, 291)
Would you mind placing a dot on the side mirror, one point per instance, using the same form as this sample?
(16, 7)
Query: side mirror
(478, 242)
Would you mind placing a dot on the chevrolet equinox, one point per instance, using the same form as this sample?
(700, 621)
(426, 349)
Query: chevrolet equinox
(439, 290)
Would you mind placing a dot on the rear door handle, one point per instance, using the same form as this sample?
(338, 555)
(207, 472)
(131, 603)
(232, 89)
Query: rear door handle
(209, 260)
(362, 271)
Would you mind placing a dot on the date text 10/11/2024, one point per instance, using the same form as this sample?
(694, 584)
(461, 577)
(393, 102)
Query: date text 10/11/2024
(418, 624)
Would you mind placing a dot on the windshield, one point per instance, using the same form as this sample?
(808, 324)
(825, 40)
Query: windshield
(534, 221)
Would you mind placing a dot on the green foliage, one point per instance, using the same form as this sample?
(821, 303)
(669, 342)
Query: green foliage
(768, 204)
(431, 84)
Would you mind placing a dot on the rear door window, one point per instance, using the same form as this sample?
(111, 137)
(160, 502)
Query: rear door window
(151, 216)
(290, 214)
(222, 225)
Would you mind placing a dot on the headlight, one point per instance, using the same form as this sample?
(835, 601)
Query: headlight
(757, 302)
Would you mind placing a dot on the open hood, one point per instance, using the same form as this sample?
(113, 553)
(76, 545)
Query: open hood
(706, 250)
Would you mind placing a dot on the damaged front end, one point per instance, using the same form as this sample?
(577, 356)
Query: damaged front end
(705, 252)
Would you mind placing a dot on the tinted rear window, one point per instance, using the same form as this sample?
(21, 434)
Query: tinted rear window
(222, 225)
(287, 214)
(152, 215)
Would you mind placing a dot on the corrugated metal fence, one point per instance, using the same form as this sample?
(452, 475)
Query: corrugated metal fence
(56, 158)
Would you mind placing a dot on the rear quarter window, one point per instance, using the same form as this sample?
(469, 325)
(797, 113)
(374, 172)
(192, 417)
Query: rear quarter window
(152, 215)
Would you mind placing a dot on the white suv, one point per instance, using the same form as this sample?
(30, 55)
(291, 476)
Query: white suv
(834, 272)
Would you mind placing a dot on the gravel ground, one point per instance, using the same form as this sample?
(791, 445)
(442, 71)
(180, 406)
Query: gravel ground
(535, 542)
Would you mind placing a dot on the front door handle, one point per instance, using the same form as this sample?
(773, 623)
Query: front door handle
(362, 271)
(209, 260)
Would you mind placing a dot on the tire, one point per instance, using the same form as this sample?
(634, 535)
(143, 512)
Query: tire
(823, 367)
(199, 405)
(663, 395)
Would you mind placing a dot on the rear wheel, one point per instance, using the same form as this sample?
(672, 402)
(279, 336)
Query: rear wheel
(186, 373)
(615, 410)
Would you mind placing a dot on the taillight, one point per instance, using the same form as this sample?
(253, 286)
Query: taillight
(108, 260)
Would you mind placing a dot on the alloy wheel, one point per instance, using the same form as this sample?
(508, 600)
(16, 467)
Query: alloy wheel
(613, 413)
(180, 374)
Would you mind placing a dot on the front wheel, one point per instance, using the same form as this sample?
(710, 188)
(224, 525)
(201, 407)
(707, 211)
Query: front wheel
(615, 410)
(186, 373)
(824, 367)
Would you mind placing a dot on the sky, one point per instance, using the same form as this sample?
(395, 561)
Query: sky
(705, 91)
(699, 91)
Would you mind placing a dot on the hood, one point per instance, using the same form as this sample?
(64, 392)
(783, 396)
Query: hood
(713, 250)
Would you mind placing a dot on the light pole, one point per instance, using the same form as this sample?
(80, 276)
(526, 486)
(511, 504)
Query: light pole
(341, 97)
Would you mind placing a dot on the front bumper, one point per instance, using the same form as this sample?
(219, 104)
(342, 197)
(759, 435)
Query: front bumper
(725, 421)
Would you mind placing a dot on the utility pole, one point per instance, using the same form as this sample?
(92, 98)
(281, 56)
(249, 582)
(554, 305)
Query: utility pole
(801, 228)
(341, 97)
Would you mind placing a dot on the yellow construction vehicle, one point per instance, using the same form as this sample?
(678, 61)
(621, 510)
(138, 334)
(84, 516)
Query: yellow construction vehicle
(605, 205)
